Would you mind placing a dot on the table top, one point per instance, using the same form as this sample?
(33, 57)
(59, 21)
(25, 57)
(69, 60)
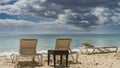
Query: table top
(59, 52)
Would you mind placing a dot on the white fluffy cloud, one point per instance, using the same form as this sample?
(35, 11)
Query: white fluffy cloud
(106, 16)
(14, 22)
(24, 7)
(23, 26)
(4, 1)
(99, 12)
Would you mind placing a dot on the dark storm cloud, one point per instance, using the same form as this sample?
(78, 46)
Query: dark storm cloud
(81, 7)
(82, 20)
(83, 3)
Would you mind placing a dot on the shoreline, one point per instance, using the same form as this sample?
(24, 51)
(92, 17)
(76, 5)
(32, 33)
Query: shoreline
(8, 53)
(103, 60)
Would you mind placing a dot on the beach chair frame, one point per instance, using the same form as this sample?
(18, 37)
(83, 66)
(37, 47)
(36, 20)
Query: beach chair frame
(64, 44)
(28, 48)
(102, 49)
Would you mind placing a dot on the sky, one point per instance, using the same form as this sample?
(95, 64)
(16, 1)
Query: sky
(59, 16)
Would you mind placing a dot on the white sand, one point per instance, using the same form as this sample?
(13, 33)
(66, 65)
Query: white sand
(106, 60)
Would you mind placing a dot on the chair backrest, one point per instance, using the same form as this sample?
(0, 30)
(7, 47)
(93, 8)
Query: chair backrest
(28, 46)
(63, 44)
(88, 45)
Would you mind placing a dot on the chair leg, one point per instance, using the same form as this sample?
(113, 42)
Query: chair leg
(116, 49)
(48, 58)
(38, 59)
(16, 60)
(33, 59)
(54, 57)
(41, 59)
(60, 59)
(12, 57)
(77, 55)
(93, 50)
(66, 60)
(72, 57)
(81, 51)
(87, 52)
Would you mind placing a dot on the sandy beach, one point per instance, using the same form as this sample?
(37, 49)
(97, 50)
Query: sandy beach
(105, 60)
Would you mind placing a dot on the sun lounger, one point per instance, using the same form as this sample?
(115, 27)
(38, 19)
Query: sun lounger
(27, 49)
(62, 44)
(101, 49)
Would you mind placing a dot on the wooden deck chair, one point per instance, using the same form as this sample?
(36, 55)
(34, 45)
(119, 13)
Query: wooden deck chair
(101, 48)
(28, 48)
(64, 44)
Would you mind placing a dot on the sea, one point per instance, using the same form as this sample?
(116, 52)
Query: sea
(10, 43)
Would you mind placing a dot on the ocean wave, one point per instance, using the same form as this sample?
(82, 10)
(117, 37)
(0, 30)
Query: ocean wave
(9, 53)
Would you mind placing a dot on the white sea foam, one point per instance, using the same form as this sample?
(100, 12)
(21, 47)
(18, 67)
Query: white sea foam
(7, 54)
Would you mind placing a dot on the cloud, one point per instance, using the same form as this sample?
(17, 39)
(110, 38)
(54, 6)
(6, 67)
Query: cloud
(22, 26)
(5, 1)
(75, 14)
(106, 16)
